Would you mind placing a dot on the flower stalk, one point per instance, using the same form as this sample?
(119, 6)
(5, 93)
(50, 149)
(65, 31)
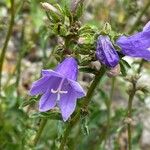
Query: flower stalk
(19, 60)
(84, 106)
(109, 102)
(140, 66)
(39, 132)
(2, 56)
(131, 97)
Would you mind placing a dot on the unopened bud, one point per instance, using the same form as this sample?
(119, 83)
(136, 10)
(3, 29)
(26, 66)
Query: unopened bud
(129, 121)
(105, 52)
(113, 72)
(106, 29)
(142, 88)
(133, 79)
(95, 65)
(49, 7)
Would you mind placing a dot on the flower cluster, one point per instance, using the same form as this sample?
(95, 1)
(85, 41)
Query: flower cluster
(137, 45)
(60, 87)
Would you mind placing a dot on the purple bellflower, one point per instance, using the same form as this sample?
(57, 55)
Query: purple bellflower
(106, 52)
(136, 45)
(59, 87)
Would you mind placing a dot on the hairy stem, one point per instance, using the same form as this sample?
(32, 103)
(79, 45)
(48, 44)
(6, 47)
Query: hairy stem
(140, 66)
(131, 96)
(109, 101)
(84, 106)
(139, 17)
(2, 56)
(39, 132)
(20, 56)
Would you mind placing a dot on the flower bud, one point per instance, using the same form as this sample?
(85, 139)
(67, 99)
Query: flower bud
(49, 7)
(113, 72)
(106, 52)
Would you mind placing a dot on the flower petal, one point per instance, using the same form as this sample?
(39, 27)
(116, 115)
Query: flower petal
(46, 82)
(67, 101)
(77, 88)
(136, 45)
(147, 27)
(51, 73)
(68, 68)
(47, 101)
(67, 104)
(39, 86)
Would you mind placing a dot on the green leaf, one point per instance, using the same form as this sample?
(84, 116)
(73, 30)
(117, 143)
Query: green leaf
(126, 63)
(68, 12)
(87, 29)
(31, 101)
(55, 28)
(61, 11)
(103, 94)
(85, 61)
(79, 11)
(123, 68)
(49, 115)
(54, 17)
(84, 126)
(63, 30)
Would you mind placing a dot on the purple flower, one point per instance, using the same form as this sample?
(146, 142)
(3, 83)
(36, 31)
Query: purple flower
(106, 52)
(59, 87)
(137, 45)
(147, 27)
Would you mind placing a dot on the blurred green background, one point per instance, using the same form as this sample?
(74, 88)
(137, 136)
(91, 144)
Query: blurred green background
(30, 48)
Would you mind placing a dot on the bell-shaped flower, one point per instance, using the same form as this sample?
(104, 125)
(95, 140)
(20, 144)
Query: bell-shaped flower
(106, 52)
(59, 87)
(136, 45)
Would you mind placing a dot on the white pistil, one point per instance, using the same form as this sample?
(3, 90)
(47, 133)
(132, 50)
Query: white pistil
(63, 92)
(54, 91)
(59, 91)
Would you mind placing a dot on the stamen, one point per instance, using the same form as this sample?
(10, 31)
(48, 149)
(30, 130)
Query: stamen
(59, 91)
(54, 91)
(63, 92)
(58, 97)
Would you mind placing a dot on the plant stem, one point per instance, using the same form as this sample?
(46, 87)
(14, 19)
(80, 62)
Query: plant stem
(139, 17)
(2, 56)
(20, 55)
(39, 132)
(84, 106)
(109, 101)
(140, 66)
(131, 96)
(68, 128)
(93, 86)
